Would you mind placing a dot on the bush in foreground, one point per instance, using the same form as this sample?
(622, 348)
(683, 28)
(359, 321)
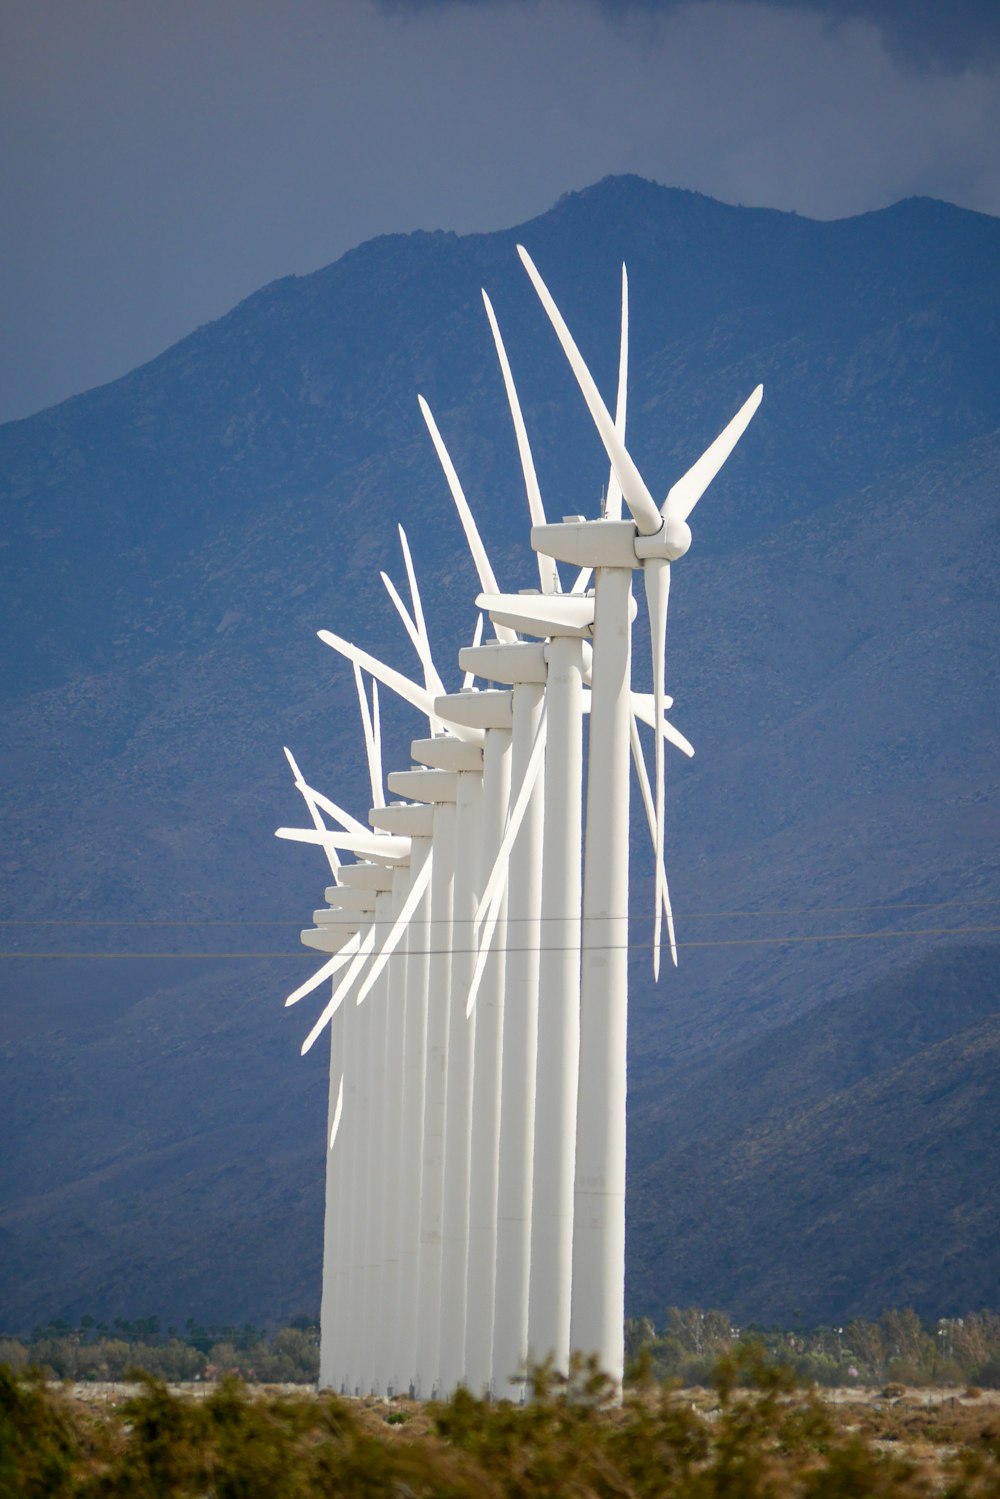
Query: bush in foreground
(764, 1441)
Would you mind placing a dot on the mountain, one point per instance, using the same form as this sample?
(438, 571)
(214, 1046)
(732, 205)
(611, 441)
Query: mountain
(171, 543)
(851, 1142)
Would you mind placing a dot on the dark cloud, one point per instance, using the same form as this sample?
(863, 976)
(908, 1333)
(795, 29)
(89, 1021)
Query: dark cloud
(158, 163)
(928, 34)
(948, 34)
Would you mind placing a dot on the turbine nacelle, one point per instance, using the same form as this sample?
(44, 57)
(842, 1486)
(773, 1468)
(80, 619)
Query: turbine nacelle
(403, 819)
(611, 543)
(520, 661)
(488, 708)
(588, 543)
(446, 752)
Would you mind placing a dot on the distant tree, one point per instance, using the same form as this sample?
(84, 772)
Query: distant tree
(974, 1339)
(865, 1343)
(639, 1331)
(304, 1321)
(908, 1345)
(13, 1353)
(700, 1331)
(223, 1358)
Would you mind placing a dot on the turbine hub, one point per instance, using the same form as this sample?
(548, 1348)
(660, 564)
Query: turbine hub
(670, 542)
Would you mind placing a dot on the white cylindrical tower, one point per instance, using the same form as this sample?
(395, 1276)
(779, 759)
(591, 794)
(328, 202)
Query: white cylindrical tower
(458, 1113)
(331, 1317)
(489, 710)
(373, 1374)
(558, 1008)
(359, 884)
(392, 1151)
(442, 786)
(518, 1064)
(348, 909)
(598, 1306)
(358, 1096)
(523, 665)
(417, 822)
(411, 1134)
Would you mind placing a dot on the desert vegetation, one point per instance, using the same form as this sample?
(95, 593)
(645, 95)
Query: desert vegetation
(753, 1435)
(95, 1350)
(899, 1347)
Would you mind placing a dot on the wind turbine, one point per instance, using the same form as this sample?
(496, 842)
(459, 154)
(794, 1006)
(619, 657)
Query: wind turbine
(653, 539)
(565, 622)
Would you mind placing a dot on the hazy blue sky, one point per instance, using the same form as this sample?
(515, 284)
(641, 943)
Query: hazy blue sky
(161, 159)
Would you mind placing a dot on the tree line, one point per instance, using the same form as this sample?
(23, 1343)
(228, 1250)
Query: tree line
(93, 1350)
(899, 1346)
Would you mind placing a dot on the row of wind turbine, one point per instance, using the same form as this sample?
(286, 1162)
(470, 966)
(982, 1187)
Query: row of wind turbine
(476, 941)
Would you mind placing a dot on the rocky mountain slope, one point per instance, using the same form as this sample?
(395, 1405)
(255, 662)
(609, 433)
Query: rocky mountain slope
(171, 543)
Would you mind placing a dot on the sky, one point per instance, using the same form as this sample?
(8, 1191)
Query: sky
(162, 159)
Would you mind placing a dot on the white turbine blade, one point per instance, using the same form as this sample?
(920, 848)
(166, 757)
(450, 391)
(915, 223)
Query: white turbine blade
(345, 819)
(342, 989)
(583, 577)
(338, 961)
(409, 691)
(548, 573)
(685, 494)
(371, 748)
(293, 766)
(377, 744)
(370, 845)
(398, 927)
(642, 703)
(432, 680)
(645, 712)
(310, 798)
(637, 497)
(613, 504)
(418, 608)
(477, 636)
(401, 610)
(656, 575)
(432, 677)
(647, 801)
(472, 536)
(498, 874)
(485, 942)
(329, 968)
(337, 1112)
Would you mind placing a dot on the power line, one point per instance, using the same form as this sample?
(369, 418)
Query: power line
(296, 921)
(930, 931)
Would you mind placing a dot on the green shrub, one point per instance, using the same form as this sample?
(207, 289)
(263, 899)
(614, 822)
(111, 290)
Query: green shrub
(761, 1439)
